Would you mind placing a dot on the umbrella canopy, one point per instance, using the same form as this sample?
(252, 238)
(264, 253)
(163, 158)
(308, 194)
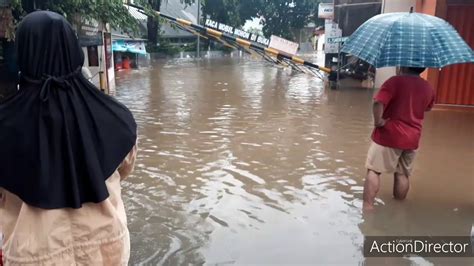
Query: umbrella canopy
(409, 40)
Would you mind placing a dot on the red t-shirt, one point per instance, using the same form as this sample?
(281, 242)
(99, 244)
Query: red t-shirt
(405, 100)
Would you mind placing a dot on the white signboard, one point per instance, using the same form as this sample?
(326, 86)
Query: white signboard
(283, 45)
(337, 39)
(238, 32)
(111, 76)
(331, 31)
(326, 10)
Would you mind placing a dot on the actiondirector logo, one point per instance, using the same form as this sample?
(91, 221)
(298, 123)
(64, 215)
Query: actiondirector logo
(434, 246)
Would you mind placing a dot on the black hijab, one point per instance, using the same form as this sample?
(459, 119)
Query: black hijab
(60, 137)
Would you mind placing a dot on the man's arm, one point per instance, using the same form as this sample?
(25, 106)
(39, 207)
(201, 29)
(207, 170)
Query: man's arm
(377, 111)
(430, 105)
(382, 99)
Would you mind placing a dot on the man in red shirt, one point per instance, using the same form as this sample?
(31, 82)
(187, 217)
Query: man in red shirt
(399, 109)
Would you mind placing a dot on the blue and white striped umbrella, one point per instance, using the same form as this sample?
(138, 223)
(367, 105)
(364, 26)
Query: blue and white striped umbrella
(409, 40)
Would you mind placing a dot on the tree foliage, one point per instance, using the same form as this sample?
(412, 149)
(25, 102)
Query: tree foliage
(106, 11)
(282, 17)
(153, 20)
(278, 17)
(231, 12)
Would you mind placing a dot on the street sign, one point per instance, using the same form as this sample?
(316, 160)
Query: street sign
(337, 39)
(326, 10)
(332, 30)
(89, 33)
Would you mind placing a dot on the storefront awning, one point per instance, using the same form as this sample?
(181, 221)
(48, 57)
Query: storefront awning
(136, 47)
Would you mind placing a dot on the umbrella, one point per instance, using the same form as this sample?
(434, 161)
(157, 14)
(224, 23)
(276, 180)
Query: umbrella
(409, 40)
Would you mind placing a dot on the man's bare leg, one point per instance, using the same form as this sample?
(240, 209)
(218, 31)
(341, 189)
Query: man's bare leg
(371, 188)
(401, 185)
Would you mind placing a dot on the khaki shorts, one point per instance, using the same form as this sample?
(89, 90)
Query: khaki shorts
(383, 159)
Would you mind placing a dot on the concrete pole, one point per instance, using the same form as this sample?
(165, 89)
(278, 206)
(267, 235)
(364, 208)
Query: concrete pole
(198, 46)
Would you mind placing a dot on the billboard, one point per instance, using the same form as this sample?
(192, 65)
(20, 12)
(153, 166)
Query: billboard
(283, 45)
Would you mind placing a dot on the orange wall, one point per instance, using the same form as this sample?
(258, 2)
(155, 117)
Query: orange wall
(456, 82)
(453, 84)
(433, 7)
(429, 7)
(426, 6)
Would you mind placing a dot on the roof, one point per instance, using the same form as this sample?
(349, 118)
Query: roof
(135, 13)
(118, 36)
(172, 8)
(177, 9)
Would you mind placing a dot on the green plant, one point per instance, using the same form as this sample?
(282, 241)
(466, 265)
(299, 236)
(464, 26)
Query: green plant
(7, 18)
(150, 7)
(105, 11)
(278, 17)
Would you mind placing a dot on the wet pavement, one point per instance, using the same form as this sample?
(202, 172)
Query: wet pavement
(243, 163)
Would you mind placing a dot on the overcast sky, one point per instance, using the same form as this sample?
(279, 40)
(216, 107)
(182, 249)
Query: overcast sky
(253, 23)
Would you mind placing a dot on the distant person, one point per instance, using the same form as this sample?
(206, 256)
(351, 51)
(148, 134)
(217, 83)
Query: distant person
(134, 64)
(65, 147)
(118, 63)
(126, 63)
(399, 109)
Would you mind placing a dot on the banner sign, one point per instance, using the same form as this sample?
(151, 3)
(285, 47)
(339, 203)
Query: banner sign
(283, 45)
(238, 32)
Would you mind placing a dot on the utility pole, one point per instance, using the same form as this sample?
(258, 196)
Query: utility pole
(198, 46)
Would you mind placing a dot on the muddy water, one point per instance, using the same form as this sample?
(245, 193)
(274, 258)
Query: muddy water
(242, 163)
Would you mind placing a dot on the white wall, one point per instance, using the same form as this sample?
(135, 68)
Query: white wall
(94, 70)
(392, 6)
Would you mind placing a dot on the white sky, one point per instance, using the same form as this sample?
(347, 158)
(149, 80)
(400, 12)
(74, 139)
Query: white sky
(252, 23)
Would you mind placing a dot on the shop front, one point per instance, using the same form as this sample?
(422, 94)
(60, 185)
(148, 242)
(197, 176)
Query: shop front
(129, 53)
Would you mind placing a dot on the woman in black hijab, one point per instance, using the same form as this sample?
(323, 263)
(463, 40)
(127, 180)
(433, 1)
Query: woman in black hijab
(64, 147)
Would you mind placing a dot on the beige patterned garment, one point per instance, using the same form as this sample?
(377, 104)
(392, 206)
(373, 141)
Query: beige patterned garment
(95, 234)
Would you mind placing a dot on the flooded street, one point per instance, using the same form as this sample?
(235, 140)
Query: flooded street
(243, 163)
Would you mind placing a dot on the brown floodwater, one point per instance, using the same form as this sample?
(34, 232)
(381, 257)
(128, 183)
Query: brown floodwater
(244, 163)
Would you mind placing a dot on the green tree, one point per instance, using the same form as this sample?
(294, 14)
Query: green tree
(279, 17)
(106, 11)
(282, 17)
(231, 12)
(153, 26)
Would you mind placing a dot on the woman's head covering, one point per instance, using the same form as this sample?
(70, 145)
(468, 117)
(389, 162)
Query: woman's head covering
(60, 137)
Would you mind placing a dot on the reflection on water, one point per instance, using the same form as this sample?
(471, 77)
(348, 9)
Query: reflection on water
(244, 163)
